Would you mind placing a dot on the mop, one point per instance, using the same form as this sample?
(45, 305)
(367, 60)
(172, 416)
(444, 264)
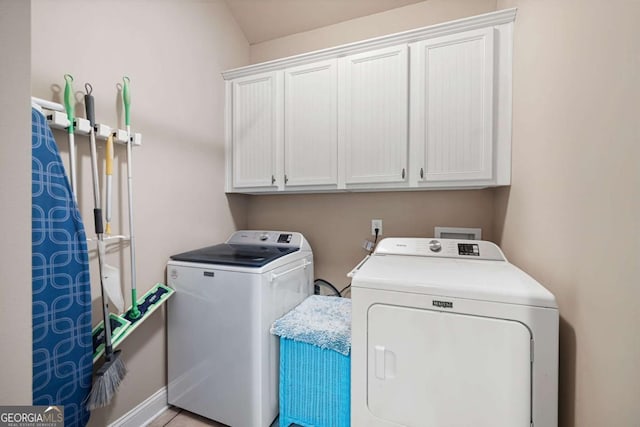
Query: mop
(134, 313)
(112, 372)
(111, 275)
(123, 326)
(159, 293)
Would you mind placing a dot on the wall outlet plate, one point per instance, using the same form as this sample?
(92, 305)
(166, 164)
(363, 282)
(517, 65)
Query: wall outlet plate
(376, 223)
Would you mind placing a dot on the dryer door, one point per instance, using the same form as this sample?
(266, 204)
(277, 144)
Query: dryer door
(436, 369)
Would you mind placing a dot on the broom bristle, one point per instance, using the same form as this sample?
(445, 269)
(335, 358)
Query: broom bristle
(108, 379)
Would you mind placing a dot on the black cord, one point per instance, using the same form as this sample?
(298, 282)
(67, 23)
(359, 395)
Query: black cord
(328, 284)
(375, 241)
(345, 288)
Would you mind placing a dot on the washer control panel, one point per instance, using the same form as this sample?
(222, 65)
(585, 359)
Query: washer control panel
(259, 237)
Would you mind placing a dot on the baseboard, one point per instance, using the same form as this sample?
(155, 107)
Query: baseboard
(145, 412)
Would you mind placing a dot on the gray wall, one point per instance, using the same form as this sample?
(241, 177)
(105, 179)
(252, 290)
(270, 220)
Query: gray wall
(15, 202)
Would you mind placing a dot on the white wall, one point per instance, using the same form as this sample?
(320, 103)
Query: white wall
(571, 217)
(173, 51)
(15, 200)
(389, 22)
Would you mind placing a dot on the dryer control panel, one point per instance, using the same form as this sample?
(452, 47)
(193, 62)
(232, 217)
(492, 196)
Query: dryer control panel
(440, 248)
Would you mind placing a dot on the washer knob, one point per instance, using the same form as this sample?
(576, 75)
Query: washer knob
(264, 237)
(435, 246)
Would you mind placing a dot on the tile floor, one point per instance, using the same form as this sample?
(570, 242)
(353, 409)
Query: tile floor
(176, 417)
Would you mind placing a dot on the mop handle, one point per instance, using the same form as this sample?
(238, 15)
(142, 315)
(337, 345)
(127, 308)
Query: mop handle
(69, 105)
(126, 98)
(109, 172)
(132, 239)
(68, 101)
(90, 109)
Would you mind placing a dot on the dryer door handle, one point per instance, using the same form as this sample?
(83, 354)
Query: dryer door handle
(385, 362)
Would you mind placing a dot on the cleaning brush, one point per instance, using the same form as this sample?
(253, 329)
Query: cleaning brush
(107, 381)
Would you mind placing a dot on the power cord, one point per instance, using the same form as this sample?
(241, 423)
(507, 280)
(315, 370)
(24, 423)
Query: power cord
(375, 241)
(321, 282)
(339, 293)
(344, 289)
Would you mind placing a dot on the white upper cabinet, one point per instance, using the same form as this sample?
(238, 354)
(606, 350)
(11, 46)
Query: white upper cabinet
(255, 131)
(373, 99)
(453, 101)
(311, 129)
(428, 108)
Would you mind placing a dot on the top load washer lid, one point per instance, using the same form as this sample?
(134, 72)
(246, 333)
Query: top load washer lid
(234, 254)
(456, 268)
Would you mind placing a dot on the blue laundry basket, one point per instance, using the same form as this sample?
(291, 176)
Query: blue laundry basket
(315, 386)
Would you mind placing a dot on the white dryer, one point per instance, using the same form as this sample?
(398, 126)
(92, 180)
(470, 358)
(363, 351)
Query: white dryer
(448, 333)
(222, 360)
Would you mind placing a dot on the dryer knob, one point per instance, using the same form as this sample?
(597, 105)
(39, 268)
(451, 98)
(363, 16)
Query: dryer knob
(435, 246)
(264, 237)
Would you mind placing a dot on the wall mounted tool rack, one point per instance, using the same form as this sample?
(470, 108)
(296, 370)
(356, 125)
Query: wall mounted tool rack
(57, 118)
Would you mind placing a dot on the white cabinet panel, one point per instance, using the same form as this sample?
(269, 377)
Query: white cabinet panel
(454, 78)
(311, 130)
(462, 370)
(373, 99)
(428, 108)
(255, 131)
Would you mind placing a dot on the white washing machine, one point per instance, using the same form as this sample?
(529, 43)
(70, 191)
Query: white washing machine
(222, 360)
(448, 333)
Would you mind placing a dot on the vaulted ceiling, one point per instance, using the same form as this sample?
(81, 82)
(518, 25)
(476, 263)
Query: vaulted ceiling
(263, 20)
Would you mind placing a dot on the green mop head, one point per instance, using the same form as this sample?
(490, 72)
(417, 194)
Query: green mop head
(108, 379)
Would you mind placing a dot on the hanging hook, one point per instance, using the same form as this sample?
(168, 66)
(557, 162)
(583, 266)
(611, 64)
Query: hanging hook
(68, 77)
(126, 79)
(88, 88)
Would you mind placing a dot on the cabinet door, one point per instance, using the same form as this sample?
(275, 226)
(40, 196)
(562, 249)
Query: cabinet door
(453, 113)
(373, 103)
(311, 132)
(255, 131)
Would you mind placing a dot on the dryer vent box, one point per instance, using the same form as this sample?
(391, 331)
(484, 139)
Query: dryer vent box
(458, 233)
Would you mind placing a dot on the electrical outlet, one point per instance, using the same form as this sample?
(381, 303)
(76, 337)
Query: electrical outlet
(376, 223)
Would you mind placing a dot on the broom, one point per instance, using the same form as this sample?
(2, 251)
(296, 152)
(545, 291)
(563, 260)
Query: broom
(113, 371)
